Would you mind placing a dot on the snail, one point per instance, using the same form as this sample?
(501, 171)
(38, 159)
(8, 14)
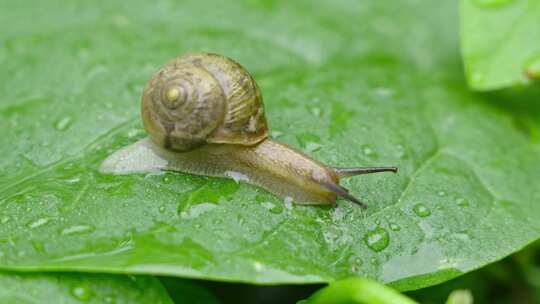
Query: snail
(204, 115)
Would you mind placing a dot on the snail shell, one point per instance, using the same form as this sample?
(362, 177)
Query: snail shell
(203, 98)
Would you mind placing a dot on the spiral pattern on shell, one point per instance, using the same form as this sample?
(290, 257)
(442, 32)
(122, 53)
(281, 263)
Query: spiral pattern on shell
(203, 98)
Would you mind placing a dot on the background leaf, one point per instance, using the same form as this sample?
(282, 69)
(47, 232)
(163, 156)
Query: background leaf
(357, 290)
(76, 288)
(500, 42)
(384, 91)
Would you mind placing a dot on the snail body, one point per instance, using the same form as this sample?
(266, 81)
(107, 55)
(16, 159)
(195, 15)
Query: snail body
(204, 114)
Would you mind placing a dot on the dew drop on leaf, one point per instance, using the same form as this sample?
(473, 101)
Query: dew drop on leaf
(166, 179)
(196, 210)
(394, 227)
(421, 210)
(73, 180)
(276, 134)
(38, 223)
(273, 208)
(288, 203)
(377, 239)
(312, 146)
(77, 229)
(462, 236)
(135, 133)
(63, 123)
(369, 152)
(463, 203)
(356, 263)
(384, 92)
(82, 293)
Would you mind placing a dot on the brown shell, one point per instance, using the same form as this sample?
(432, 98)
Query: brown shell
(203, 98)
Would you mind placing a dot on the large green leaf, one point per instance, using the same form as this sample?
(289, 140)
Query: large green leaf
(500, 42)
(76, 288)
(350, 83)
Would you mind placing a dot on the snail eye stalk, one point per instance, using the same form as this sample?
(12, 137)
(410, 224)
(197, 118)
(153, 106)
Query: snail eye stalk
(353, 171)
(343, 193)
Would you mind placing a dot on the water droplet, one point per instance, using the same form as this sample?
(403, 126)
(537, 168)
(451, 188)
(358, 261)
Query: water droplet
(63, 123)
(421, 210)
(110, 299)
(462, 236)
(135, 132)
(463, 203)
(316, 111)
(161, 209)
(377, 239)
(492, 3)
(369, 152)
(73, 180)
(312, 146)
(394, 227)
(276, 209)
(384, 92)
(82, 293)
(4, 219)
(356, 263)
(309, 141)
(288, 203)
(276, 134)
(217, 221)
(196, 210)
(77, 229)
(258, 266)
(39, 222)
(441, 193)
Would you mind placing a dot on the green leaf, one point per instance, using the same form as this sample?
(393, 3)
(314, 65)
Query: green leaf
(357, 291)
(76, 288)
(384, 91)
(500, 42)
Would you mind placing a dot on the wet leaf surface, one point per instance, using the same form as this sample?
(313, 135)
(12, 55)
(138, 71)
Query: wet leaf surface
(384, 91)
